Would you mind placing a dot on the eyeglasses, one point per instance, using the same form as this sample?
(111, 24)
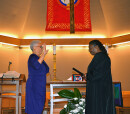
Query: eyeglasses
(40, 46)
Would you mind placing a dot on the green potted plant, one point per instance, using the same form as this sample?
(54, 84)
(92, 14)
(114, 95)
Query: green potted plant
(75, 105)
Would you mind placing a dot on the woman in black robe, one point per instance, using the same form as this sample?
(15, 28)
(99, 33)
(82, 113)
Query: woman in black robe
(99, 90)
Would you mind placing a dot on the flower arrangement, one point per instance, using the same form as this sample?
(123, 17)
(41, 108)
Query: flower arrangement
(76, 104)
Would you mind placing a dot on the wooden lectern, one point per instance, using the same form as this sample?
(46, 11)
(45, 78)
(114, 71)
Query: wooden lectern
(17, 93)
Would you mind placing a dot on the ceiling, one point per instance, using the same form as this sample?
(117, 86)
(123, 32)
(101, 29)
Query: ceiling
(26, 19)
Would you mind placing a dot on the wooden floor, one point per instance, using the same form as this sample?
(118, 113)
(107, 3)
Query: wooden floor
(8, 105)
(10, 111)
(119, 110)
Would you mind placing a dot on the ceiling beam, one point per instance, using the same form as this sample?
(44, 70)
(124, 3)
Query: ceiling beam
(74, 41)
(65, 41)
(119, 39)
(9, 40)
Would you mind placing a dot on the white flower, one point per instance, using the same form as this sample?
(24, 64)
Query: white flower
(80, 108)
(65, 106)
(75, 98)
(76, 105)
(75, 111)
(81, 103)
(82, 99)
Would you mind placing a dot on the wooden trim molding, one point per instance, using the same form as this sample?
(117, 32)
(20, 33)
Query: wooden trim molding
(9, 40)
(65, 41)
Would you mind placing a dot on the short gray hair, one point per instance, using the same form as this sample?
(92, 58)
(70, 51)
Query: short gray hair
(34, 43)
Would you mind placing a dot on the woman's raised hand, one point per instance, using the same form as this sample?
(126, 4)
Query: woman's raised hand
(43, 54)
(44, 49)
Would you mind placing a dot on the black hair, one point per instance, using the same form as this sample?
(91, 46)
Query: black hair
(99, 44)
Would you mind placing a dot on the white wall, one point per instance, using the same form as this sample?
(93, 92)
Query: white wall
(66, 59)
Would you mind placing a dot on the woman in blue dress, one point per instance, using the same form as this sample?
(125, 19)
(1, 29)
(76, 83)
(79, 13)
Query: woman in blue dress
(36, 83)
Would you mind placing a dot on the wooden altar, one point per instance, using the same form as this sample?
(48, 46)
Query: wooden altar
(63, 84)
(12, 94)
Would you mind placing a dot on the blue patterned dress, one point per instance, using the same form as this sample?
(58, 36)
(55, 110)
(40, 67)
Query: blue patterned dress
(36, 85)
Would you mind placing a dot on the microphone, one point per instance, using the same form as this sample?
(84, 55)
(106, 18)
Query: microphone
(78, 71)
(9, 65)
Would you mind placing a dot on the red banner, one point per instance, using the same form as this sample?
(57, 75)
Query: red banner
(58, 15)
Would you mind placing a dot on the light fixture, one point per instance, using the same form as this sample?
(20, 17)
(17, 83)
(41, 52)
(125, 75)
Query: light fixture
(121, 43)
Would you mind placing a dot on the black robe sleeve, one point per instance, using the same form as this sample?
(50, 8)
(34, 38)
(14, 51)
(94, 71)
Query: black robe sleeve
(98, 68)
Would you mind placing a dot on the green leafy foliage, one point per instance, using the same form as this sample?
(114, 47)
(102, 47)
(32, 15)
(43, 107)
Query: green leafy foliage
(77, 93)
(70, 106)
(69, 94)
(63, 111)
